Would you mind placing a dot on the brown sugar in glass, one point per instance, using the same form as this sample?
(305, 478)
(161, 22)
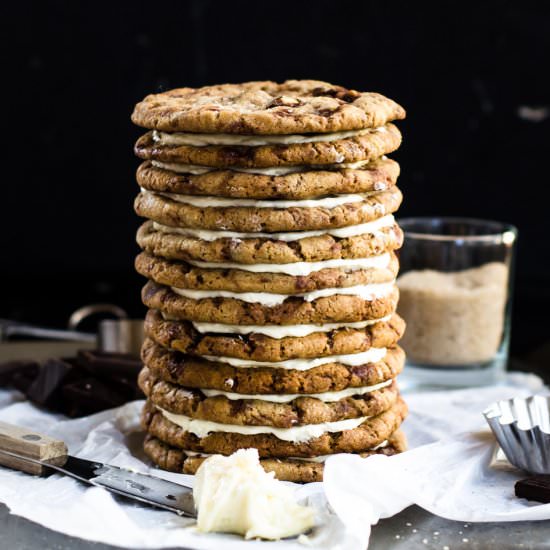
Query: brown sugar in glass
(455, 283)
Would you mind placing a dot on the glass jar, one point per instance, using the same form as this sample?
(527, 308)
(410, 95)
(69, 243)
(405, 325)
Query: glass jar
(456, 286)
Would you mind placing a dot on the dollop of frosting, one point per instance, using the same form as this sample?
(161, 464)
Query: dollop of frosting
(234, 494)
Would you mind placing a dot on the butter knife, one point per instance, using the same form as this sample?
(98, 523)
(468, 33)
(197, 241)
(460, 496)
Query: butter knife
(28, 451)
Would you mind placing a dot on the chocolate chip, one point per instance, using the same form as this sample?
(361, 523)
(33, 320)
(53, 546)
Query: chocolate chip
(349, 96)
(338, 93)
(149, 290)
(237, 153)
(324, 92)
(284, 101)
(301, 283)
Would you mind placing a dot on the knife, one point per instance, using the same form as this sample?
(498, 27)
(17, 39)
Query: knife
(28, 451)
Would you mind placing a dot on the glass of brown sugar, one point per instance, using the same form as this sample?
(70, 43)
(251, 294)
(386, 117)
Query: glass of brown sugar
(456, 286)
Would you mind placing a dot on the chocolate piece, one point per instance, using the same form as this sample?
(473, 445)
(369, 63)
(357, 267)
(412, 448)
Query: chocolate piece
(535, 488)
(92, 382)
(112, 365)
(89, 396)
(45, 388)
(17, 368)
(23, 380)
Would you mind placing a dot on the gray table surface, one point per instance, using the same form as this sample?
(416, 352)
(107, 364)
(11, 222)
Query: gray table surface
(413, 528)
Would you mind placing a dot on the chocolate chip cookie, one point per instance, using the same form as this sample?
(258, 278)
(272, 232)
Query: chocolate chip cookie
(290, 107)
(260, 412)
(183, 275)
(285, 469)
(370, 145)
(174, 211)
(310, 182)
(193, 372)
(370, 433)
(183, 337)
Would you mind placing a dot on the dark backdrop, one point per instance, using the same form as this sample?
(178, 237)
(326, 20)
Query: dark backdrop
(472, 76)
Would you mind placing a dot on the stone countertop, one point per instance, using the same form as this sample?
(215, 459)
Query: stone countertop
(412, 529)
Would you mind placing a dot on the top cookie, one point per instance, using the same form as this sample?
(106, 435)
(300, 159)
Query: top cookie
(295, 106)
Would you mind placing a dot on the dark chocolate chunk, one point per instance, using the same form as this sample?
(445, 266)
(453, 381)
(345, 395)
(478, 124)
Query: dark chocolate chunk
(46, 387)
(92, 382)
(111, 365)
(89, 396)
(23, 380)
(11, 369)
(535, 488)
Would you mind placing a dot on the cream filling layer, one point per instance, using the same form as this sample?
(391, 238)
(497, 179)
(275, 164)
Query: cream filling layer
(323, 458)
(365, 292)
(281, 331)
(298, 434)
(372, 355)
(303, 268)
(326, 397)
(340, 233)
(224, 202)
(202, 140)
(319, 459)
(197, 169)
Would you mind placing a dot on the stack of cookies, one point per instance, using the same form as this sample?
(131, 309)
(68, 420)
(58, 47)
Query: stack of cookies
(270, 248)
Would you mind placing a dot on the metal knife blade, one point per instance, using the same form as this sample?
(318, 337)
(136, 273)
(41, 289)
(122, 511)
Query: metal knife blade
(128, 483)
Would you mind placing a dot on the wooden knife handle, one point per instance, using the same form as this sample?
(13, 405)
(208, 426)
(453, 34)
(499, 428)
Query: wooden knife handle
(28, 443)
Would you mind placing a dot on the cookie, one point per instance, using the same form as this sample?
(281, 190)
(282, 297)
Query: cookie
(257, 412)
(267, 250)
(286, 469)
(166, 210)
(370, 433)
(370, 145)
(193, 372)
(338, 308)
(265, 107)
(181, 336)
(377, 175)
(182, 275)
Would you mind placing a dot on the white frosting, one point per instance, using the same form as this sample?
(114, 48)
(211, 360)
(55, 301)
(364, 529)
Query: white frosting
(202, 140)
(281, 331)
(197, 169)
(341, 232)
(303, 268)
(224, 202)
(234, 494)
(318, 459)
(323, 458)
(365, 292)
(372, 355)
(297, 434)
(326, 397)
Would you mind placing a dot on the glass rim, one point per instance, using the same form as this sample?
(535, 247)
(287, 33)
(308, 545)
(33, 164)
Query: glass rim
(503, 232)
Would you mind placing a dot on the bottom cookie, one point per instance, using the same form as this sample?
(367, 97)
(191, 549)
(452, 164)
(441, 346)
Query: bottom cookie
(288, 469)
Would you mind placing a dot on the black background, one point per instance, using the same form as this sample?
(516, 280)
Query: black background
(474, 78)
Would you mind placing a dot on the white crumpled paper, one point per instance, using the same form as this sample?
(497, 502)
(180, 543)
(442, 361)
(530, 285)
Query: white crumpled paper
(446, 472)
